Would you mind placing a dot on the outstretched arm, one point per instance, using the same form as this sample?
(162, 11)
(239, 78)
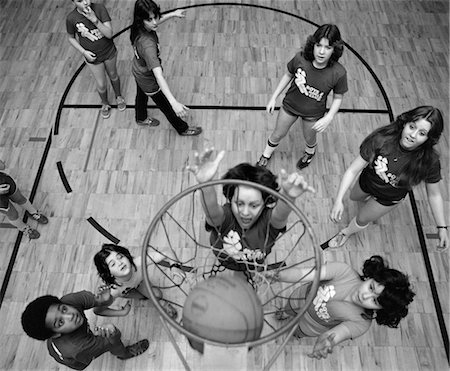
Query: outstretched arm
(285, 80)
(112, 312)
(437, 207)
(205, 168)
(347, 180)
(179, 13)
(326, 341)
(292, 186)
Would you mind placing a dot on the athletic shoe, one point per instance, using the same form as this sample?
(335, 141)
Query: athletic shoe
(106, 111)
(149, 121)
(305, 160)
(40, 218)
(121, 104)
(136, 349)
(170, 310)
(263, 161)
(192, 131)
(31, 233)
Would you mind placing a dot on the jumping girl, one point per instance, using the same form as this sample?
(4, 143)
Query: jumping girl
(90, 32)
(392, 160)
(346, 303)
(123, 274)
(313, 73)
(148, 72)
(244, 229)
(9, 193)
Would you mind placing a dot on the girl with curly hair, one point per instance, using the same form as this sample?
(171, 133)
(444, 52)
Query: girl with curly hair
(312, 73)
(346, 302)
(392, 160)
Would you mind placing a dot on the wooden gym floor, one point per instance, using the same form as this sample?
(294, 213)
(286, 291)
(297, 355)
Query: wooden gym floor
(224, 61)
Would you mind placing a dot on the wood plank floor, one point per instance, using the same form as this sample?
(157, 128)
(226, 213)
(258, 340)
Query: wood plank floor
(121, 174)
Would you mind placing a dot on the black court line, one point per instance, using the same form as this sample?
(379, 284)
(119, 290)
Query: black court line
(63, 177)
(103, 231)
(231, 108)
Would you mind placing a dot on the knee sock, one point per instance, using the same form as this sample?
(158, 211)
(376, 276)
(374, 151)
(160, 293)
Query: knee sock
(354, 227)
(103, 96)
(29, 207)
(270, 147)
(18, 223)
(310, 149)
(116, 86)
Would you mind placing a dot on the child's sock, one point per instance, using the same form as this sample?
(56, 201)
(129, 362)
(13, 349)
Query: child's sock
(28, 206)
(103, 96)
(353, 227)
(270, 147)
(116, 87)
(310, 150)
(18, 223)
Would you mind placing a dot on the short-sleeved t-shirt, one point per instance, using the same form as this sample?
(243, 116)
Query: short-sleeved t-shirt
(4, 198)
(78, 349)
(146, 57)
(237, 248)
(318, 84)
(330, 307)
(136, 279)
(391, 160)
(89, 36)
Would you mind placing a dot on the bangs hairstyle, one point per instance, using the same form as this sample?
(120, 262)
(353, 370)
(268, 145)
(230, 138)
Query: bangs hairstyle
(251, 173)
(142, 10)
(333, 35)
(396, 295)
(422, 158)
(100, 261)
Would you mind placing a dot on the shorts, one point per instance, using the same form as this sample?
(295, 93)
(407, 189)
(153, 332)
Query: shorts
(381, 200)
(4, 199)
(111, 54)
(306, 118)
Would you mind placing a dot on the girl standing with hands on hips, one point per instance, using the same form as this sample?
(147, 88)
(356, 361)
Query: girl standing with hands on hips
(313, 73)
(90, 32)
(148, 72)
(392, 160)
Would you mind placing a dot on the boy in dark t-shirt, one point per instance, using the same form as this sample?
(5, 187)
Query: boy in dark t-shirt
(70, 341)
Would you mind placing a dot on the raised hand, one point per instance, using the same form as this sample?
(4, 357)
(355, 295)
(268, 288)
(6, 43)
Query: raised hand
(205, 165)
(106, 331)
(324, 346)
(293, 185)
(336, 212)
(4, 189)
(180, 13)
(89, 14)
(103, 294)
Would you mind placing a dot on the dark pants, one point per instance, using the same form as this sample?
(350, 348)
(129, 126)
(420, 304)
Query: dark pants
(163, 104)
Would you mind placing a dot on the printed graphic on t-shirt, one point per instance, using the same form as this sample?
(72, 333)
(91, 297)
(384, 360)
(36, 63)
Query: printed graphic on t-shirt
(324, 294)
(309, 91)
(233, 247)
(382, 170)
(92, 35)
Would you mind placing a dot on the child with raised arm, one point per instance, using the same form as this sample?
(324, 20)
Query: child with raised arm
(123, 274)
(90, 32)
(70, 341)
(244, 229)
(312, 73)
(346, 303)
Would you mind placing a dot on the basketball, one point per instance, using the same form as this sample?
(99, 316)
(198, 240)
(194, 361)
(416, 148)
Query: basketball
(224, 309)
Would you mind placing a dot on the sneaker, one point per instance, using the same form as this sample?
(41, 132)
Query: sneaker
(106, 111)
(40, 218)
(191, 131)
(149, 121)
(263, 161)
(170, 310)
(136, 349)
(305, 160)
(31, 233)
(121, 104)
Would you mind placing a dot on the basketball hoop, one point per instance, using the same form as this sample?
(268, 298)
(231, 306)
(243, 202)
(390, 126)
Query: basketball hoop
(178, 232)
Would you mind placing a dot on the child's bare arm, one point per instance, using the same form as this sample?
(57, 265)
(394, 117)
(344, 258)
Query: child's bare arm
(113, 312)
(292, 186)
(205, 168)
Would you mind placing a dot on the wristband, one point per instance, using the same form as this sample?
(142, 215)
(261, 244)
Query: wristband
(442, 226)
